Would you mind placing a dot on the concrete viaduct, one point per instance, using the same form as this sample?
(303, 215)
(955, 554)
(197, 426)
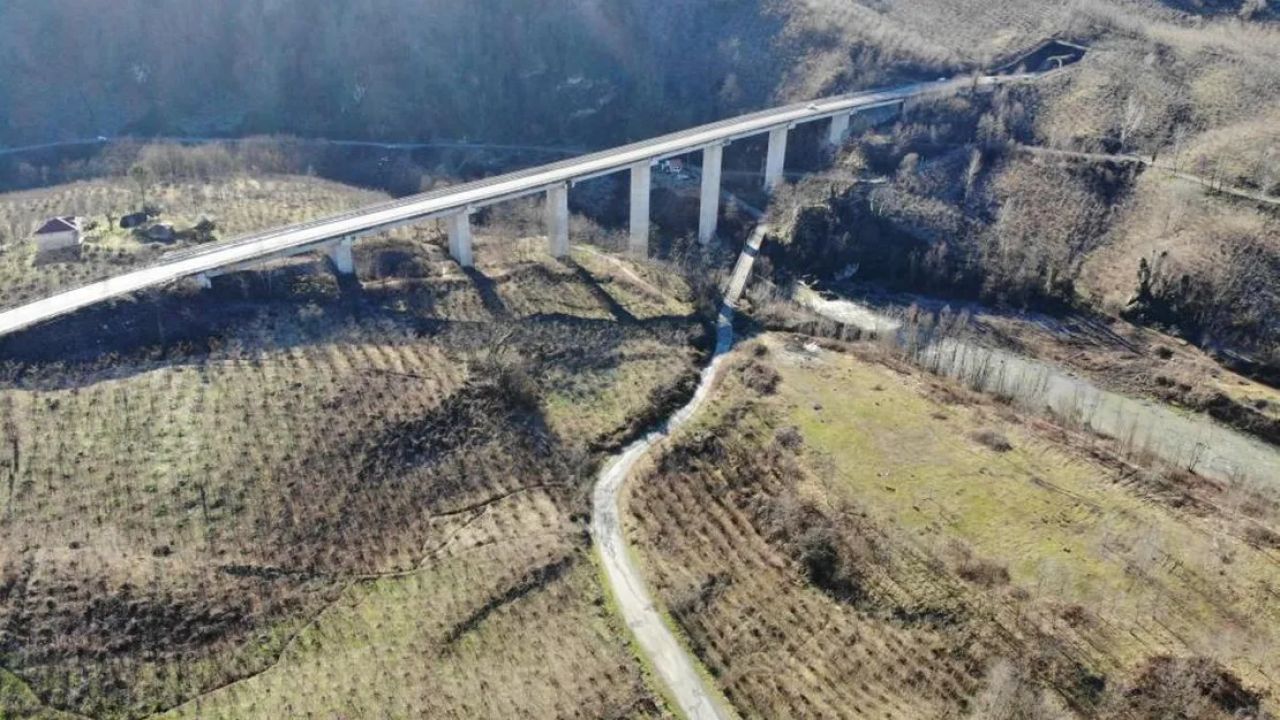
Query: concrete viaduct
(336, 234)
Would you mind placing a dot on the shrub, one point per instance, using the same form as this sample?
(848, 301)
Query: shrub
(760, 377)
(789, 438)
(994, 440)
(984, 573)
(1196, 687)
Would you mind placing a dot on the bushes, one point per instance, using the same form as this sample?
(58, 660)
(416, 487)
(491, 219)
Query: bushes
(993, 440)
(833, 554)
(1195, 688)
(1011, 694)
(759, 377)
(1050, 219)
(1233, 300)
(820, 558)
(984, 573)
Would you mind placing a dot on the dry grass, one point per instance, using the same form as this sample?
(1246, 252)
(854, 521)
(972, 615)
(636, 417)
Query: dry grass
(1202, 93)
(961, 215)
(507, 620)
(1227, 250)
(238, 204)
(342, 505)
(843, 547)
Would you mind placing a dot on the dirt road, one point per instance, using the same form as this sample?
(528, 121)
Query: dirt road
(676, 668)
(1212, 184)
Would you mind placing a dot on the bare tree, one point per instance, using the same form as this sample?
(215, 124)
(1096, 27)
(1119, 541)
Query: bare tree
(142, 179)
(1010, 694)
(1135, 112)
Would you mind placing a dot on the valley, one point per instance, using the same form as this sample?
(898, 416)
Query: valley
(937, 377)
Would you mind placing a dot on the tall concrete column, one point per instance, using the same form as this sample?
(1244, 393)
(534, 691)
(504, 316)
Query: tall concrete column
(777, 160)
(709, 213)
(641, 177)
(839, 130)
(558, 220)
(343, 259)
(460, 238)
(203, 281)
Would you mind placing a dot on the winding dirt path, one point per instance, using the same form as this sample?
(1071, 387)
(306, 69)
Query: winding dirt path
(673, 664)
(1213, 185)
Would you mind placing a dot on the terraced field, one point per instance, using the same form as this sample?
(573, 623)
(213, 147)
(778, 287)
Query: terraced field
(320, 498)
(841, 536)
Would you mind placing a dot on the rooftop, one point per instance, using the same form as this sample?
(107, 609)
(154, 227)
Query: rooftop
(59, 225)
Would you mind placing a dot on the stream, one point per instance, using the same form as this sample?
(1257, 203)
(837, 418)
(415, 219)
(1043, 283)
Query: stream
(1178, 438)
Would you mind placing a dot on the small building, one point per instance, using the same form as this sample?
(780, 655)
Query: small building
(58, 234)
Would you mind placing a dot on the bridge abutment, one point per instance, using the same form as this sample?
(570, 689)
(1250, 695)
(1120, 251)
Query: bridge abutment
(558, 220)
(460, 239)
(776, 161)
(641, 179)
(709, 211)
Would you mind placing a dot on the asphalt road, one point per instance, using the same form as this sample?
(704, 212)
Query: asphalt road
(672, 663)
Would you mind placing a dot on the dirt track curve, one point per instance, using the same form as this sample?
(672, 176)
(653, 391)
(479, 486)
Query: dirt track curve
(673, 664)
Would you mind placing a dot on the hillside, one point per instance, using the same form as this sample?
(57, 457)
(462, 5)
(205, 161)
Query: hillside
(279, 496)
(998, 440)
(1032, 199)
(536, 71)
(533, 71)
(841, 535)
(1192, 83)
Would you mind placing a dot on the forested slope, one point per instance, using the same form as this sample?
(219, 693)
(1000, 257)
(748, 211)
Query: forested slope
(584, 72)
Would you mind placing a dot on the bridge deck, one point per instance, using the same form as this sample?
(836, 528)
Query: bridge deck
(463, 198)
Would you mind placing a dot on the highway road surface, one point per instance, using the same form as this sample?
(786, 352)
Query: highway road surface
(300, 237)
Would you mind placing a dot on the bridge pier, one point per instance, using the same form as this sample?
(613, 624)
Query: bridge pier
(839, 130)
(460, 238)
(776, 161)
(203, 281)
(709, 211)
(343, 259)
(558, 220)
(641, 178)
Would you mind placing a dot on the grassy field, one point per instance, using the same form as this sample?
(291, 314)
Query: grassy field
(841, 536)
(293, 496)
(505, 621)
